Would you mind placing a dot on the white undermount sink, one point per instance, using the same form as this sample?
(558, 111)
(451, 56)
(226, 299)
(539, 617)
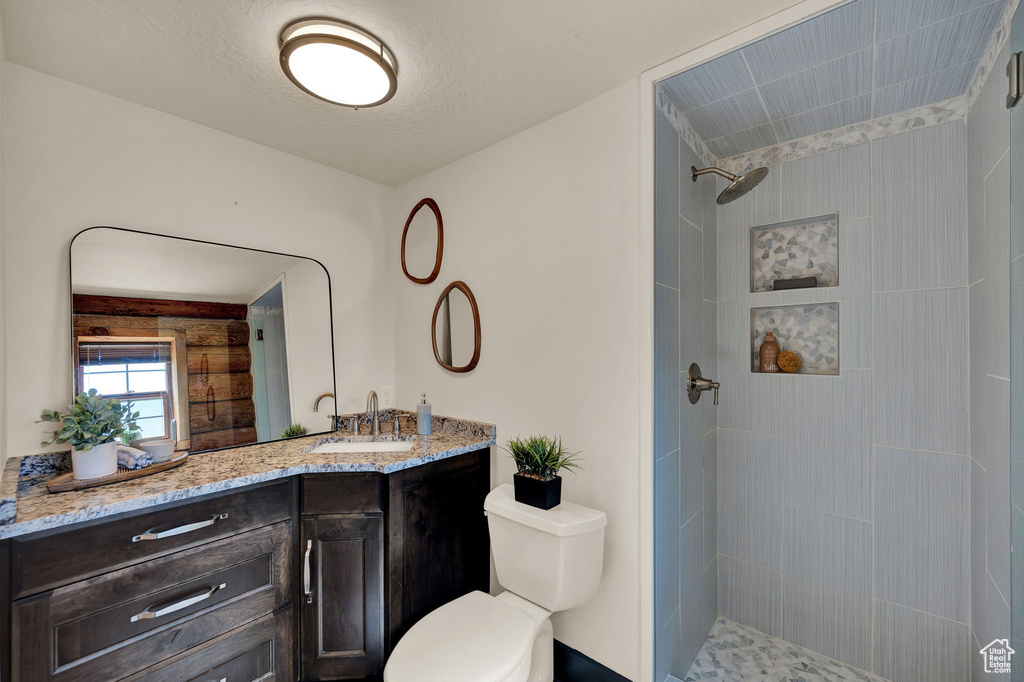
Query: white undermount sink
(385, 446)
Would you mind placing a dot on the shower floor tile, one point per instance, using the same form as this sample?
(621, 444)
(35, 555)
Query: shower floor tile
(736, 652)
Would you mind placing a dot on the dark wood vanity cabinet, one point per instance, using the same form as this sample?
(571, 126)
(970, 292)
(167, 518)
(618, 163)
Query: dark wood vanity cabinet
(216, 587)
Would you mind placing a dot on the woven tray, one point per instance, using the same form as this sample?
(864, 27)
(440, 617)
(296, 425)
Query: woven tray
(64, 482)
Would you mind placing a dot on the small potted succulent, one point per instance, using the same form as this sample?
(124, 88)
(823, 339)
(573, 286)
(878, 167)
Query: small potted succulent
(538, 460)
(294, 431)
(92, 426)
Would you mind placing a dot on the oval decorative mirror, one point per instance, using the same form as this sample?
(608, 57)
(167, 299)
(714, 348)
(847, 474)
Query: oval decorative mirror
(455, 329)
(423, 242)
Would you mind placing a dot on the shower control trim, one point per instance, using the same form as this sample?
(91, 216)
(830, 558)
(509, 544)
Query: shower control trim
(696, 384)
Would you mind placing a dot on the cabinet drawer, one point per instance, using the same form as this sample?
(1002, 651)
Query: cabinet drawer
(41, 561)
(261, 650)
(113, 625)
(342, 493)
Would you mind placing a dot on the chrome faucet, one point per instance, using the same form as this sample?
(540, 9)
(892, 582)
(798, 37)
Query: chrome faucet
(333, 417)
(371, 404)
(316, 403)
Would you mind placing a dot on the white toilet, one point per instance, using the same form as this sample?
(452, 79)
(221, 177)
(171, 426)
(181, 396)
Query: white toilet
(547, 561)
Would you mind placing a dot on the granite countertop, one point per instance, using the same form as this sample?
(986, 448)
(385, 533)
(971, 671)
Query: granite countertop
(27, 507)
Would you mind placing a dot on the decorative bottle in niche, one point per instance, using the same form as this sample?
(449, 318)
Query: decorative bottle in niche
(769, 353)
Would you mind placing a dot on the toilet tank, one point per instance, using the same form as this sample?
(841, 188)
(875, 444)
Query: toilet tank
(551, 557)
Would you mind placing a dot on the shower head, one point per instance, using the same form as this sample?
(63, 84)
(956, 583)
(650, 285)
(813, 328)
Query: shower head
(741, 184)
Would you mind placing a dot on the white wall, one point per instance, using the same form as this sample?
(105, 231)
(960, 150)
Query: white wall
(77, 157)
(544, 229)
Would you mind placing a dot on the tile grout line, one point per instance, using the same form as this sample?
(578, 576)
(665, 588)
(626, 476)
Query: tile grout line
(819, 511)
(927, 613)
(922, 452)
(998, 591)
(912, 291)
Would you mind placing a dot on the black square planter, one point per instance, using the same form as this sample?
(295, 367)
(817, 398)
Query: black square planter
(538, 493)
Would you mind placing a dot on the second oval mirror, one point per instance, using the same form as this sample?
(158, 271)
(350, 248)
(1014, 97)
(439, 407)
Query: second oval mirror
(455, 329)
(423, 242)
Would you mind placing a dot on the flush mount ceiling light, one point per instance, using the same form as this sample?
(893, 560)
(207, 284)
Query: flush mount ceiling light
(338, 62)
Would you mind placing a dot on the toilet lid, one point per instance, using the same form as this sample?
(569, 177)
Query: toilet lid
(475, 638)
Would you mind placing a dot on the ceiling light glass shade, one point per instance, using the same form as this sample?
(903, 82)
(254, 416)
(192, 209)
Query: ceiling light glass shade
(338, 62)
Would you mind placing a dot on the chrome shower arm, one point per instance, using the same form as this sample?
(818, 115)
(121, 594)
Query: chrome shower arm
(694, 173)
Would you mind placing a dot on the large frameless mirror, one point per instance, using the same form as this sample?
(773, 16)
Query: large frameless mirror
(214, 345)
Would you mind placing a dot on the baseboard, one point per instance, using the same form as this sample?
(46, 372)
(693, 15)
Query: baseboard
(572, 666)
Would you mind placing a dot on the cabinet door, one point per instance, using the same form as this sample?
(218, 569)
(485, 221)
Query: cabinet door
(438, 544)
(343, 597)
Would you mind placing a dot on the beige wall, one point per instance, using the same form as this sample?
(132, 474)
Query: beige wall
(76, 158)
(544, 229)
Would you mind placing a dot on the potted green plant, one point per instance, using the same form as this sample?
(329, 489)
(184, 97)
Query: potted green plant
(92, 426)
(538, 460)
(294, 431)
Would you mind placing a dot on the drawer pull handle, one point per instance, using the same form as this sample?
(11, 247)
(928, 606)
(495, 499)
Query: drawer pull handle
(187, 528)
(155, 612)
(307, 584)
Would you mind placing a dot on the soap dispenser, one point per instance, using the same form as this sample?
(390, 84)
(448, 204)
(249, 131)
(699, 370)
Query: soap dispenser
(769, 353)
(423, 416)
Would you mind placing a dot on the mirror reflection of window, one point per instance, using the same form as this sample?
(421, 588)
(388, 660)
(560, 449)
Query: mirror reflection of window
(137, 373)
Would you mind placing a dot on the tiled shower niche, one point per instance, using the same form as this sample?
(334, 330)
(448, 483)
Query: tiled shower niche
(808, 247)
(811, 331)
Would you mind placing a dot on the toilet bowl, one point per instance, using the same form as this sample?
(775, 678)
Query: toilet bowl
(548, 560)
(476, 637)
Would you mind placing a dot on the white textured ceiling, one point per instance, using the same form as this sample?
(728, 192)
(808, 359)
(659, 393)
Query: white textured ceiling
(471, 72)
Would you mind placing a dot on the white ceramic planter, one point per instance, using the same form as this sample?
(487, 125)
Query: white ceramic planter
(96, 463)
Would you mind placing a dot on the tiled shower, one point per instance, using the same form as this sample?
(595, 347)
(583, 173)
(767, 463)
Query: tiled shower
(859, 508)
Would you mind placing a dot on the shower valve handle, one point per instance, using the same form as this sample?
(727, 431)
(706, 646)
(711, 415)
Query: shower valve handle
(696, 384)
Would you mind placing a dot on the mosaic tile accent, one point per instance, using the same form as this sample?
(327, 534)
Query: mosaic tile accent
(810, 331)
(683, 127)
(858, 133)
(798, 248)
(737, 652)
(988, 61)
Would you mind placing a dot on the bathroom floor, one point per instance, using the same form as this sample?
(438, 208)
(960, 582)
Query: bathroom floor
(736, 652)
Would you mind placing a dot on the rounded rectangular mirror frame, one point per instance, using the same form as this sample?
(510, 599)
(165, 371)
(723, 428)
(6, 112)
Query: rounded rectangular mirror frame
(330, 305)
